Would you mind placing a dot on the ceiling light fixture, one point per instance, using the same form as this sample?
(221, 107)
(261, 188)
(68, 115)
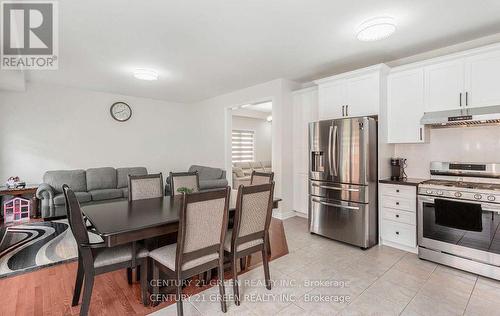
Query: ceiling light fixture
(376, 29)
(145, 74)
(269, 118)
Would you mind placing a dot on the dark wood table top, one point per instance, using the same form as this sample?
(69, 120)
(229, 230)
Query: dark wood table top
(123, 221)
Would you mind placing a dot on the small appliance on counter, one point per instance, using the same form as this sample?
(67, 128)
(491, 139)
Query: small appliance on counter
(398, 169)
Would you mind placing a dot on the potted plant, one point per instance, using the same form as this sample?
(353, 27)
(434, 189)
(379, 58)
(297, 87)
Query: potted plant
(185, 190)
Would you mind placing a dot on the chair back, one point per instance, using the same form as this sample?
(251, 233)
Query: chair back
(188, 180)
(75, 217)
(145, 187)
(254, 206)
(202, 225)
(261, 177)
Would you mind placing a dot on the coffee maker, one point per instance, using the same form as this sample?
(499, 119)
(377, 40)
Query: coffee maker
(398, 169)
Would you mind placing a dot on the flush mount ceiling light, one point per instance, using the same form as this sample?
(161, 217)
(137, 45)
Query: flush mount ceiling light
(145, 74)
(376, 29)
(269, 118)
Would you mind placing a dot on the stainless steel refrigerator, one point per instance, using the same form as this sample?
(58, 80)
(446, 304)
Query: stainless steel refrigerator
(343, 180)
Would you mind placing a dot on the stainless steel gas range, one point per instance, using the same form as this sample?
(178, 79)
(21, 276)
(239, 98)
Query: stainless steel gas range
(459, 217)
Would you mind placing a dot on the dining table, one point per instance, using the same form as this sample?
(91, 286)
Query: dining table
(122, 222)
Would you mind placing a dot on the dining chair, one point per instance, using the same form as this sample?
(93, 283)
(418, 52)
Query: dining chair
(256, 179)
(145, 186)
(202, 230)
(189, 180)
(250, 232)
(261, 177)
(96, 258)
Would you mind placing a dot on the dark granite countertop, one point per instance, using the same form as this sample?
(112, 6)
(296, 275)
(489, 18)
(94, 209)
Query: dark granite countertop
(408, 181)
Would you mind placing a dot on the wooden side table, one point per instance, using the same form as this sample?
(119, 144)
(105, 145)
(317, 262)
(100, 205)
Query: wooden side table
(29, 189)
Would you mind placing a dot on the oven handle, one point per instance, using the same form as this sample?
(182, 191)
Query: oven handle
(424, 198)
(354, 208)
(334, 188)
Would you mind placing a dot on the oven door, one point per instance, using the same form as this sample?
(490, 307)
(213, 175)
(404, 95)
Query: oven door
(481, 244)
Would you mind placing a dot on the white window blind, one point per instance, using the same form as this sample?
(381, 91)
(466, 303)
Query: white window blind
(243, 145)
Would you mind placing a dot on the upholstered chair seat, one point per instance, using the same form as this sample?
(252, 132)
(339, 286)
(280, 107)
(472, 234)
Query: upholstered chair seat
(110, 256)
(243, 246)
(166, 256)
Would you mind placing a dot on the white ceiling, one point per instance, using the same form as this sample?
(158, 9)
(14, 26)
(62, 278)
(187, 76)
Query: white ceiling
(206, 48)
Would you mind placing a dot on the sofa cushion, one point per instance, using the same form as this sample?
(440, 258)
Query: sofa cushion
(124, 192)
(238, 172)
(101, 178)
(213, 184)
(74, 178)
(82, 197)
(206, 173)
(267, 166)
(106, 194)
(122, 175)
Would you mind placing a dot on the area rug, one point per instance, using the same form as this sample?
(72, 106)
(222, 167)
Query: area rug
(31, 246)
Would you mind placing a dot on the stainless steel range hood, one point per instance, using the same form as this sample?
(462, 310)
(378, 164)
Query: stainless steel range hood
(489, 115)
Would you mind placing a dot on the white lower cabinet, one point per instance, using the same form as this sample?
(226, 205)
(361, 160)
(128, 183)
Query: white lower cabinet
(398, 216)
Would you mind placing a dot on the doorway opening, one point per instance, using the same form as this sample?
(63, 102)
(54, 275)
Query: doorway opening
(250, 141)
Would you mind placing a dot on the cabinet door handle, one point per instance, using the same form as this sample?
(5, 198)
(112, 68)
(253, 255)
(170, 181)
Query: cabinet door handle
(421, 133)
(343, 110)
(397, 215)
(467, 98)
(397, 233)
(397, 190)
(397, 203)
(460, 99)
(347, 110)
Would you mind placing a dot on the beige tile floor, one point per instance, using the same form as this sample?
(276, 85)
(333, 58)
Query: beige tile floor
(323, 277)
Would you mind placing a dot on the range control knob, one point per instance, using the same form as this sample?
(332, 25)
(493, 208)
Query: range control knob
(428, 191)
(491, 198)
(458, 194)
(478, 196)
(439, 192)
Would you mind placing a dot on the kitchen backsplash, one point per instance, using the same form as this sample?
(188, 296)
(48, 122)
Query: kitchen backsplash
(468, 144)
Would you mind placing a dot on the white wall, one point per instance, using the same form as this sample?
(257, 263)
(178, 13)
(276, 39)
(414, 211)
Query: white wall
(214, 142)
(49, 127)
(471, 144)
(262, 136)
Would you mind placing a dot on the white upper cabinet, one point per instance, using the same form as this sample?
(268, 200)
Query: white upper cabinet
(482, 79)
(351, 94)
(332, 100)
(363, 94)
(444, 86)
(405, 106)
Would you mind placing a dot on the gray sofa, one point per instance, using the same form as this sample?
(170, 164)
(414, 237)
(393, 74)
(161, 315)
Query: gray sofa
(210, 178)
(95, 185)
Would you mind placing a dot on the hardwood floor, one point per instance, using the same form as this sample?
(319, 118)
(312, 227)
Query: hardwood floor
(49, 291)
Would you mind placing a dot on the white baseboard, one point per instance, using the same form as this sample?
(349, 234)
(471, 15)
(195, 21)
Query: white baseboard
(300, 214)
(399, 246)
(283, 215)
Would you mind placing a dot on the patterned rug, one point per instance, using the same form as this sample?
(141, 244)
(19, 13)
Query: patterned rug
(32, 246)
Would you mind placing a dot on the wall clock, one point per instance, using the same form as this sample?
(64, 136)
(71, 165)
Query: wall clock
(120, 111)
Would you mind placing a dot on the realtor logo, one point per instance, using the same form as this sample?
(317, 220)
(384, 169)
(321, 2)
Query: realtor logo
(29, 36)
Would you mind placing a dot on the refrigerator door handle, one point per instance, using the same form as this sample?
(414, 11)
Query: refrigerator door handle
(334, 188)
(330, 150)
(334, 152)
(354, 208)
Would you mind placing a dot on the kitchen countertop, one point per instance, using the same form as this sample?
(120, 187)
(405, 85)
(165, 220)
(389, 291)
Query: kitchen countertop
(408, 181)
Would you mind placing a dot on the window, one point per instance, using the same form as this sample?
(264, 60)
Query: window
(242, 145)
